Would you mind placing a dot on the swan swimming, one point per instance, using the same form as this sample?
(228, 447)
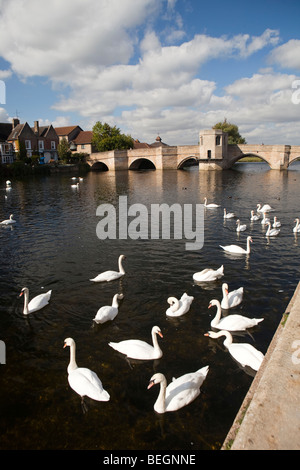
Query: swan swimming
(240, 227)
(296, 229)
(108, 312)
(210, 206)
(137, 349)
(231, 322)
(272, 232)
(265, 220)
(37, 303)
(276, 223)
(237, 249)
(179, 307)
(228, 215)
(244, 353)
(254, 216)
(9, 221)
(84, 381)
(111, 275)
(180, 392)
(208, 274)
(231, 299)
(264, 208)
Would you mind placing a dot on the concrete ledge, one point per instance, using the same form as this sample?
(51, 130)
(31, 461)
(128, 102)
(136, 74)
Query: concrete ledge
(269, 418)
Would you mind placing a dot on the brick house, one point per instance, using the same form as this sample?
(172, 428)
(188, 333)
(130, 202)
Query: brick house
(82, 143)
(6, 148)
(68, 132)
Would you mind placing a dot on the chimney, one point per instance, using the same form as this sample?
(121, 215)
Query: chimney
(36, 127)
(15, 122)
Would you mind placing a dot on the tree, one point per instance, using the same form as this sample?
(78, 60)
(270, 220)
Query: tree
(234, 137)
(63, 150)
(107, 138)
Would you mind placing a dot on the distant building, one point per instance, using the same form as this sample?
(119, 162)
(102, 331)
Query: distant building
(6, 148)
(68, 132)
(82, 143)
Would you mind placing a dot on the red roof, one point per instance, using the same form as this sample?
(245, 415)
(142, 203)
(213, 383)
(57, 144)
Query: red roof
(84, 137)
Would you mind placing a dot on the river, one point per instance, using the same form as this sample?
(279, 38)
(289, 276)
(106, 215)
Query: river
(54, 245)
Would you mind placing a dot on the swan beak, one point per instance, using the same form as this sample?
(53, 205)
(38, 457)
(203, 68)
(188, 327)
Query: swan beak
(160, 334)
(210, 305)
(206, 334)
(151, 383)
(64, 345)
(21, 294)
(226, 290)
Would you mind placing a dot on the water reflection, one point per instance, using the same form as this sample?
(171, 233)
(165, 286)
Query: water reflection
(54, 246)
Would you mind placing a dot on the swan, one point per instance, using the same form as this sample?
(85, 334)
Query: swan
(254, 216)
(210, 206)
(136, 349)
(179, 307)
(37, 303)
(231, 322)
(296, 229)
(75, 185)
(231, 299)
(108, 312)
(265, 220)
(240, 227)
(244, 353)
(272, 232)
(180, 392)
(8, 221)
(264, 208)
(84, 381)
(228, 215)
(276, 223)
(237, 249)
(8, 183)
(209, 274)
(111, 275)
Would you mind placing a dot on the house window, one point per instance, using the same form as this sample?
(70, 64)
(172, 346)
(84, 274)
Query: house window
(28, 144)
(41, 145)
(53, 146)
(208, 154)
(218, 140)
(6, 149)
(82, 146)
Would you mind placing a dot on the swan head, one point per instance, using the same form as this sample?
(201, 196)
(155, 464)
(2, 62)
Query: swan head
(156, 330)
(25, 289)
(69, 342)
(250, 239)
(213, 334)
(225, 287)
(214, 302)
(156, 379)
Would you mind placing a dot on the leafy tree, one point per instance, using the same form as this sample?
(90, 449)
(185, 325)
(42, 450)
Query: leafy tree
(234, 137)
(63, 150)
(107, 138)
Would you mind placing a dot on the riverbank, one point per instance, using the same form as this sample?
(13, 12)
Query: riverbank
(19, 169)
(269, 418)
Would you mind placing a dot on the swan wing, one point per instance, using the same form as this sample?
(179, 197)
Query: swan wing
(246, 355)
(107, 276)
(85, 382)
(106, 313)
(233, 248)
(237, 323)
(183, 390)
(136, 349)
(39, 301)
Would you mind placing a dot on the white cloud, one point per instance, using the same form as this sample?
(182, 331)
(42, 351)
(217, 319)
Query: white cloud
(287, 55)
(5, 74)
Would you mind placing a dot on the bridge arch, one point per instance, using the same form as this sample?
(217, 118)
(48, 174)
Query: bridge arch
(142, 164)
(188, 161)
(294, 159)
(99, 166)
(243, 155)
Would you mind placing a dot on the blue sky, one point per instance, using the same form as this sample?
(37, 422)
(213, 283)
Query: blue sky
(171, 67)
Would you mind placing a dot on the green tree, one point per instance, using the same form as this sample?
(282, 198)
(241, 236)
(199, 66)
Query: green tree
(234, 137)
(63, 150)
(107, 138)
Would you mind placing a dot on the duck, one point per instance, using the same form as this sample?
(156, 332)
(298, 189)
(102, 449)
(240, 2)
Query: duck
(244, 353)
(296, 229)
(210, 206)
(237, 249)
(228, 215)
(231, 322)
(240, 227)
(180, 392)
(254, 217)
(272, 232)
(209, 274)
(37, 303)
(179, 307)
(265, 220)
(9, 221)
(264, 208)
(108, 312)
(231, 299)
(83, 381)
(276, 223)
(137, 349)
(108, 276)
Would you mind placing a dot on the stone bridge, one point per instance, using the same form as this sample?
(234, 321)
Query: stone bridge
(212, 153)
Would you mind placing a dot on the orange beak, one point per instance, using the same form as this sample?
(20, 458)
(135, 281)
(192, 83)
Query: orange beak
(210, 305)
(160, 334)
(21, 294)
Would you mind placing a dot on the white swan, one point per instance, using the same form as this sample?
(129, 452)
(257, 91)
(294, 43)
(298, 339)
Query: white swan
(108, 312)
(244, 353)
(208, 274)
(210, 206)
(84, 381)
(231, 299)
(180, 392)
(137, 349)
(240, 227)
(111, 275)
(8, 221)
(228, 215)
(76, 186)
(37, 303)
(8, 183)
(179, 307)
(264, 208)
(265, 219)
(254, 216)
(276, 223)
(237, 249)
(272, 232)
(296, 229)
(231, 322)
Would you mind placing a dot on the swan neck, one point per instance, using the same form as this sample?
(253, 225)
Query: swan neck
(121, 269)
(154, 341)
(72, 364)
(175, 305)
(26, 300)
(248, 245)
(217, 318)
(228, 340)
(160, 404)
(115, 301)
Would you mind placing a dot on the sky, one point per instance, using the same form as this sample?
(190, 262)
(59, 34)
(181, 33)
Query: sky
(154, 67)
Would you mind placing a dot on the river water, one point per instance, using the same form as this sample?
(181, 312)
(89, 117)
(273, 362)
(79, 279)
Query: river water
(54, 245)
